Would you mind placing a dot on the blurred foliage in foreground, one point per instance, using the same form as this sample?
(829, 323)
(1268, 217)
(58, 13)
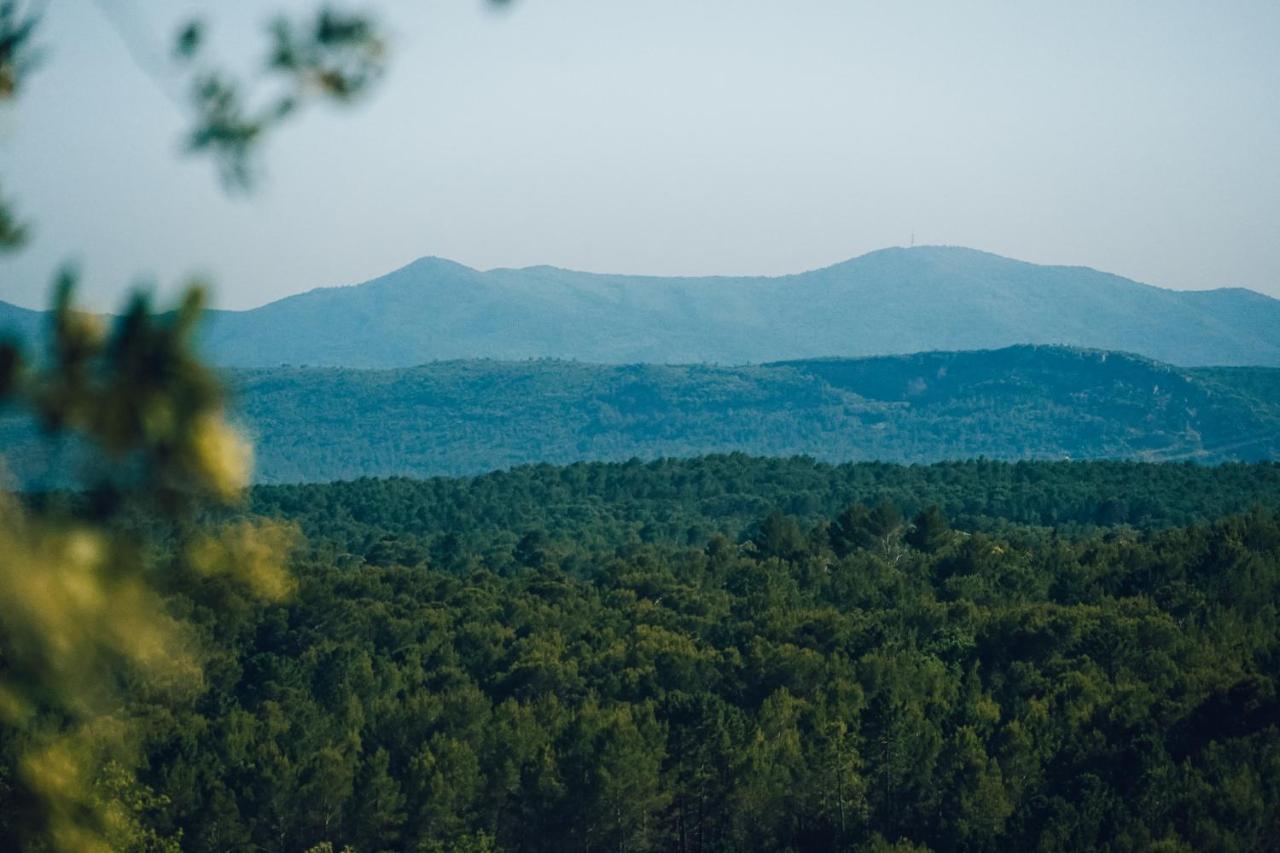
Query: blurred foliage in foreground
(85, 628)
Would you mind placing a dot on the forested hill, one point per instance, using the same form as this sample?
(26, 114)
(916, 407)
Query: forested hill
(474, 416)
(320, 424)
(891, 301)
(1018, 403)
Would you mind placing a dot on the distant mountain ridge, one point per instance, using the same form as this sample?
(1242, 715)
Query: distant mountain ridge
(466, 417)
(892, 301)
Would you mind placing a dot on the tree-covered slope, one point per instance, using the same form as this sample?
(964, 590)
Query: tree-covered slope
(467, 417)
(319, 424)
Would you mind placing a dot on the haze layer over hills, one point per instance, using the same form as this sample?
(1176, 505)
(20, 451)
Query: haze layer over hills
(893, 301)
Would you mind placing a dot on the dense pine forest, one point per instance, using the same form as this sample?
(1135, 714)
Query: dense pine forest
(731, 654)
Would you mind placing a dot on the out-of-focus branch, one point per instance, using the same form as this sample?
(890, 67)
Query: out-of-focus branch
(18, 54)
(13, 232)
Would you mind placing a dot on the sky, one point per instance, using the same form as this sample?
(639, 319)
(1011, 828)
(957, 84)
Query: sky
(668, 137)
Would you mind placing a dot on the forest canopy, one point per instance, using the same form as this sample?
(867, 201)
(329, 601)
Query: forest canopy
(736, 653)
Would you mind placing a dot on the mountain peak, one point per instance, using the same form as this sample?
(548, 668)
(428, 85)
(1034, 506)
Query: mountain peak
(434, 262)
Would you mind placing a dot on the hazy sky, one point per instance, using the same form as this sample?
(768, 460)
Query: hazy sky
(675, 137)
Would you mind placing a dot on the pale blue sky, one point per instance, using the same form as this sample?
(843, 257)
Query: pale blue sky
(678, 137)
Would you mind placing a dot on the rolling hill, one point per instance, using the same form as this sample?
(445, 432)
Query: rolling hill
(892, 301)
(463, 417)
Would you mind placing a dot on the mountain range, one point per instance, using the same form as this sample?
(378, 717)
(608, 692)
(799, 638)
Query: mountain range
(892, 301)
(464, 417)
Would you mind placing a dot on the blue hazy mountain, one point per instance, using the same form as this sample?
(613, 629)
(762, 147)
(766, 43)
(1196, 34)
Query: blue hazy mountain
(22, 323)
(892, 301)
